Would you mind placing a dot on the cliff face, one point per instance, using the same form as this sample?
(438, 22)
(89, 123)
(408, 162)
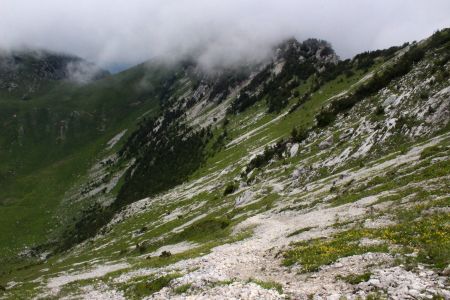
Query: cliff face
(302, 177)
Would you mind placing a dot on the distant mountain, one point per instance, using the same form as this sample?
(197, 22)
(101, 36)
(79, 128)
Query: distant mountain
(25, 72)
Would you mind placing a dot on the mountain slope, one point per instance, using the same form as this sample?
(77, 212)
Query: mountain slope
(310, 178)
(50, 141)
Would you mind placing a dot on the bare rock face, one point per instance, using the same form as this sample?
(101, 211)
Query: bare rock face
(347, 134)
(298, 172)
(389, 100)
(244, 198)
(327, 143)
(294, 149)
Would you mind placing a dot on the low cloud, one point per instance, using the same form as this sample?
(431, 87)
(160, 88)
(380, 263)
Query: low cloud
(219, 32)
(82, 72)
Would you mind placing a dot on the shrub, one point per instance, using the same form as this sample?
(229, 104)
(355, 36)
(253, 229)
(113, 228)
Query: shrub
(269, 153)
(424, 95)
(325, 118)
(165, 254)
(230, 189)
(141, 247)
(299, 135)
(379, 111)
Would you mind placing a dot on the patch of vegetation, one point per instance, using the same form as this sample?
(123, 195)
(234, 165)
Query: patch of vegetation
(230, 189)
(262, 205)
(269, 153)
(415, 232)
(225, 81)
(428, 235)
(355, 278)
(376, 83)
(203, 230)
(87, 224)
(299, 231)
(367, 59)
(313, 254)
(325, 118)
(300, 134)
(268, 285)
(246, 97)
(302, 205)
(430, 151)
(182, 288)
(379, 111)
(376, 296)
(165, 254)
(147, 288)
(164, 158)
(278, 89)
(439, 38)
(393, 179)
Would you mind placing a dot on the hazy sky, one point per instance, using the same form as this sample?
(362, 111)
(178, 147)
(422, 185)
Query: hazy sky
(113, 32)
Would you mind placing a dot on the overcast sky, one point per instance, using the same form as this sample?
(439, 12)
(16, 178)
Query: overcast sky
(113, 32)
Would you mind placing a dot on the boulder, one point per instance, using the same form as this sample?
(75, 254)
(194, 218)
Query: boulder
(244, 198)
(298, 172)
(446, 271)
(346, 134)
(294, 150)
(389, 100)
(327, 143)
(165, 254)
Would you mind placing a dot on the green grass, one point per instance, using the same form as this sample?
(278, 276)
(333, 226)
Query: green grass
(268, 285)
(299, 231)
(311, 255)
(394, 179)
(303, 117)
(37, 168)
(51, 176)
(203, 230)
(355, 278)
(431, 151)
(425, 234)
(264, 204)
(147, 288)
(182, 288)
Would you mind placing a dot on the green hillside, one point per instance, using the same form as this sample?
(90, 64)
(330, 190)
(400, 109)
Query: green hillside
(50, 141)
(304, 177)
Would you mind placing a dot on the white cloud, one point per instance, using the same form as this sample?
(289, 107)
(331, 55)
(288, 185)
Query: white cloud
(112, 32)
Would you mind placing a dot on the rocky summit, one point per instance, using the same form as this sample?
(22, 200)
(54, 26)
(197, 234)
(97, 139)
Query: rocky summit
(303, 176)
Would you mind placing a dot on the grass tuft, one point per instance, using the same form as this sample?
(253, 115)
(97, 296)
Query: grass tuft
(268, 285)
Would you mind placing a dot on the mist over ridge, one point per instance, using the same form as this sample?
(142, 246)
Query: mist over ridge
(111, 33)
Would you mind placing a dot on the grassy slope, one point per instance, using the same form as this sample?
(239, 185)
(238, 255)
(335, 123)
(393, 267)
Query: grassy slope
(120, 233)
(44, 167)
(120, 238)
